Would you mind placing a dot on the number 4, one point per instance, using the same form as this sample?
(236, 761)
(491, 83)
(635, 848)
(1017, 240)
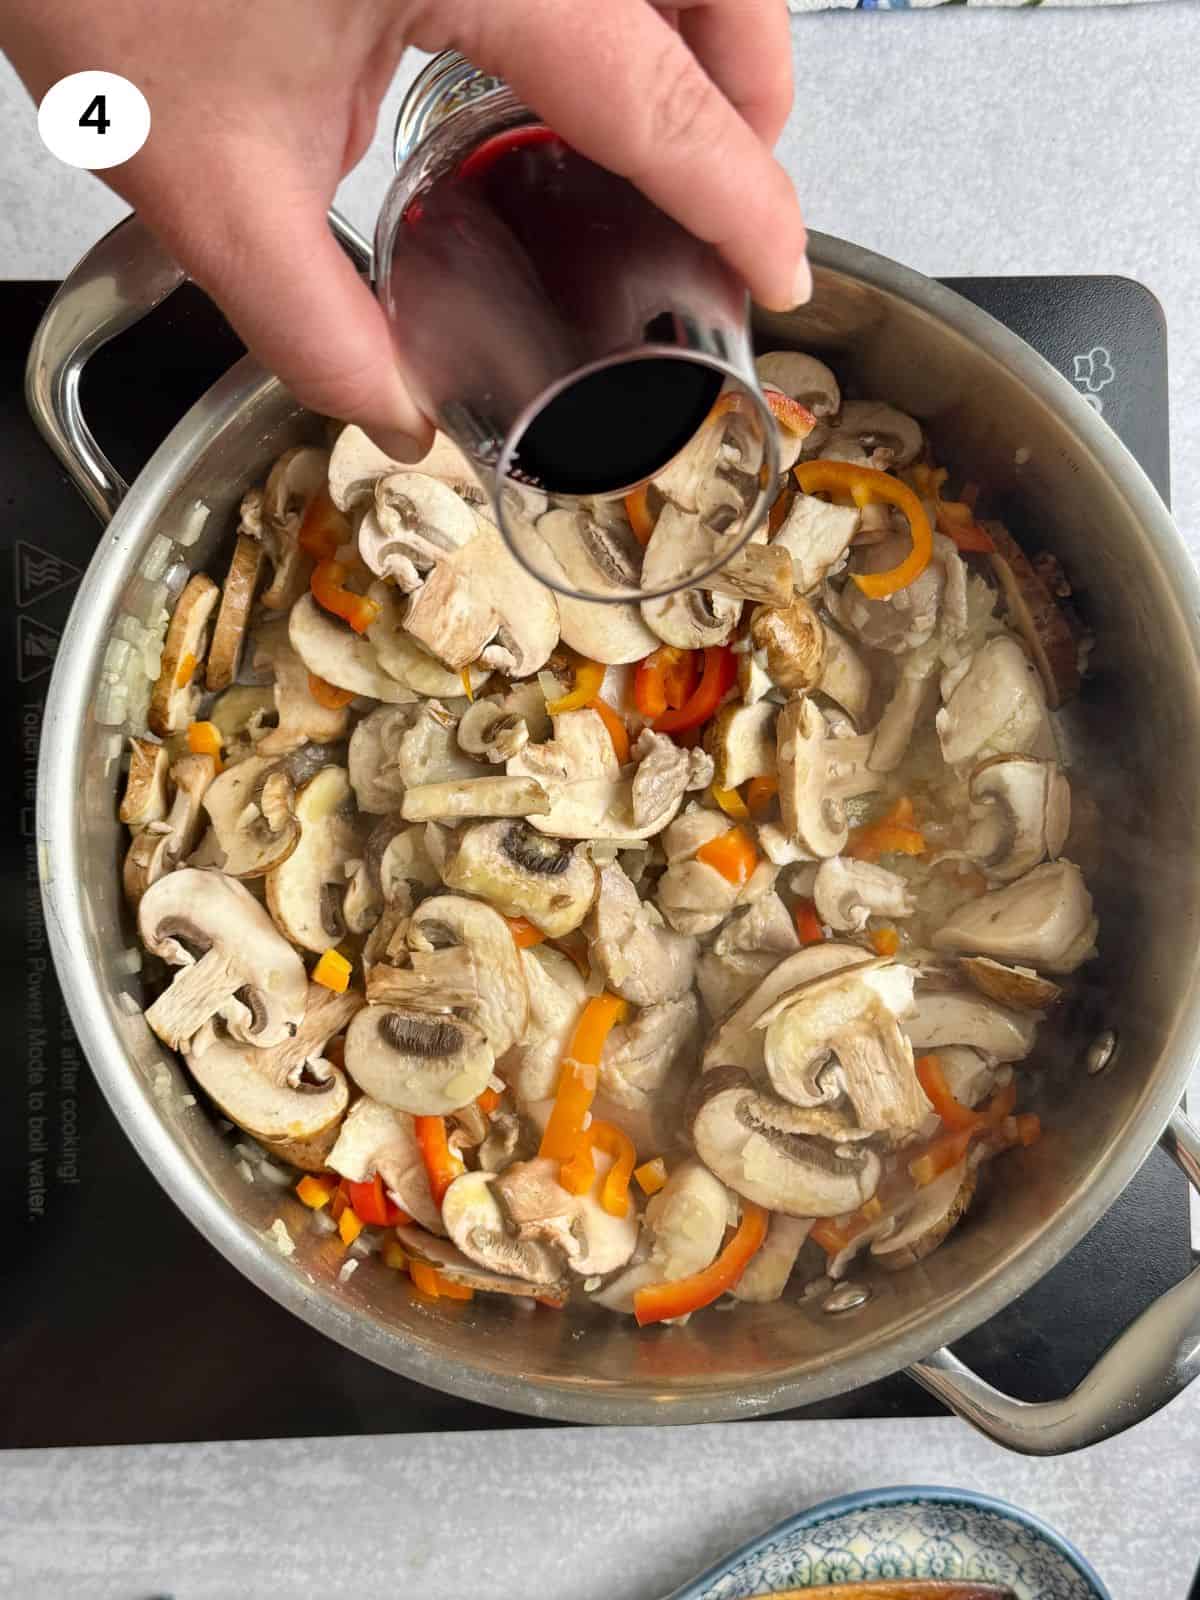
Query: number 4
(95, 115)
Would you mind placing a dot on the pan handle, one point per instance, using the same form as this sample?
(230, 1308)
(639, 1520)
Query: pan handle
(1152, 1361)
(120, 280)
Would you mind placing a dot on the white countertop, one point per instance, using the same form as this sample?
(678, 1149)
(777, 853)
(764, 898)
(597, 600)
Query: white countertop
(959, 142)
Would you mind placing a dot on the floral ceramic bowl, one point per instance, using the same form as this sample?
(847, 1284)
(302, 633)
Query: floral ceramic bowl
(905, 1533)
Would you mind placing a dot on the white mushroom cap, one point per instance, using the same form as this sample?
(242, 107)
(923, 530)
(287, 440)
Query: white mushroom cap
(690, 619)
(235, 963)
(1022, 812)
(578, 768)
(377, 1139)
(237, 598)
(816, 774)
(927, 1220)
(146, 786)
(355, 466)
(779, 1156)
(886, 437)
(490, 729)
(305, 891)
(847, 892)
(737, 1040)
(423, 1062)
(966, 1017)
(591, 557)
(302, 718)
(524, 873)
(340, 656)
(480, 1229)
(994, 707)
(251, 808)
(802, 377)
(414, 640)
(741, 740)
(416, 522)
(287, 1094)
(501, 1006)
(498, 796)
(1044, 918)
(161, 845)
(293, 483)
(374, 758)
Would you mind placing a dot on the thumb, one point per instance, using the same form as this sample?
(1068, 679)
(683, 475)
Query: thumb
(296, 301)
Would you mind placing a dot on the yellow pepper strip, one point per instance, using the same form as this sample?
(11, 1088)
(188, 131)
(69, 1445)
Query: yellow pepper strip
(651, 1175)
(393, 1255)
(315, 1192)
(465, 675)
(580, 1075)
(815, 476)
(589, 675)
(731, 803)
(350, 1225)
(332, 971)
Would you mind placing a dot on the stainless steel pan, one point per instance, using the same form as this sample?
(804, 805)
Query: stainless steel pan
(1003, 414)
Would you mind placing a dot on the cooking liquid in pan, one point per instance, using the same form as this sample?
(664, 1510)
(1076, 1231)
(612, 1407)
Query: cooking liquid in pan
(526, 228)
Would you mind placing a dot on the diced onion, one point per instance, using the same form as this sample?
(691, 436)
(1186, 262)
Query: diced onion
(129, 960)
(175, 577)
(192, 524)
(157, 557)
(348, 1271)
(281, 1238)
(321, 1222)
(245, 1171)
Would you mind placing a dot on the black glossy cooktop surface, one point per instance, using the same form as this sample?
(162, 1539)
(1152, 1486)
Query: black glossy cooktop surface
(119, 1323)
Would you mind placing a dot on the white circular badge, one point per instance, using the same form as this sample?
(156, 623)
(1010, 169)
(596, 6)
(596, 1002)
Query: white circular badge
(94, 120)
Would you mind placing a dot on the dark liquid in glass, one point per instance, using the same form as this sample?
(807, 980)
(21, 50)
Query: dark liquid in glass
(526, 234)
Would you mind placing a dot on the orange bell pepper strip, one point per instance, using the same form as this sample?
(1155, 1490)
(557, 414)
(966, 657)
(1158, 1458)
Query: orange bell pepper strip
(895, 833)
(371, 1204)
(885, 941)
(732, 854)
(488, 1101)
(324, 529)
(718, 677)
(617, 730)
(637, 509)
(525, 935)
(662, 1302)
(866, 484)
(808, 923)
(327, 582)
(579, 1173)
(833, 1236)
(954, 518)
(589, 675)
(580, 1076)
(760, 796)
(948, 1149)
(442, 1165)
(328, 694)
(953, 1113)
(204, 739)
(731, 803)
(789, 413)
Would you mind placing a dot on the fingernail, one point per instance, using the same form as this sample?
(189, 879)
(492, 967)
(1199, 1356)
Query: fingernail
(803, 286)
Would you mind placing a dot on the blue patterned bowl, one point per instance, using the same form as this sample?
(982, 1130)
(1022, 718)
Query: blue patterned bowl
(905, 1533)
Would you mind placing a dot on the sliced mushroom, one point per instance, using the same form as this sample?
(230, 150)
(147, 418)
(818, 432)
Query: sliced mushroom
(177, 692)
(741, 741)
(913, 697)
(399, 633)
(589, 798)
(1019, 987)
(161, 846)
(646, 1054)
(374, 758)
(377, 1139)
(817, 535)
(736, 1040)
(693, 618)
(343, 658)
(251, 809)
(1022, 812)
(765, 924)
(642, 960)
(523, 873)
(302, 719)
(475, 797)
(964, 1016)
(242, 714)
(993, 705)
(449, 923)
(556, 997)
(293, 483)
(480, 1229)
(593, 1241)
(406, 870)
(787, 1159)
(841, 1034)
(146, 786)
(1035, 615)
(929, 1219)
(288, 1096)
(415, 523)
(1044, 918)
(422, 1062)
(758, 572)
(593, 558)
(847, 892)
(234, 962)
(816, 775)
(488, 729)
(355, 467)
(305, 891)
(454, 1266)
(970, 1076)
(770, 1268)
(237, 597)
(887, 438)
(685, 1223)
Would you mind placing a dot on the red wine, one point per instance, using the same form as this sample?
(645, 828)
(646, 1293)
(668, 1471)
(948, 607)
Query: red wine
(517, 250)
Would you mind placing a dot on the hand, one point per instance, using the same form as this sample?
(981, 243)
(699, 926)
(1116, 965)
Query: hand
(261, 106)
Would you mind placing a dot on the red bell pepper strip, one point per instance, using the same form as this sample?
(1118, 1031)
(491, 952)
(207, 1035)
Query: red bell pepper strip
(719, 676)
(442, 1166)
(661, 1302)
(370, 1204)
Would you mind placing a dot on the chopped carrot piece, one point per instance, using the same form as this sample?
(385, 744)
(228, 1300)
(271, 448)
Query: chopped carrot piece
(328, 694)
(651, 1175)
(617, 730)
(333, 971)
(733, 855)
(525, 935)
(316, 1192)
(731, 803)
(350, 1225)
(808, 923)
(186, 668)
(885, 941)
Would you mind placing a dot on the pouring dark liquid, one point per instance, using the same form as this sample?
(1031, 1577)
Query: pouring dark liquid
(526, 233)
